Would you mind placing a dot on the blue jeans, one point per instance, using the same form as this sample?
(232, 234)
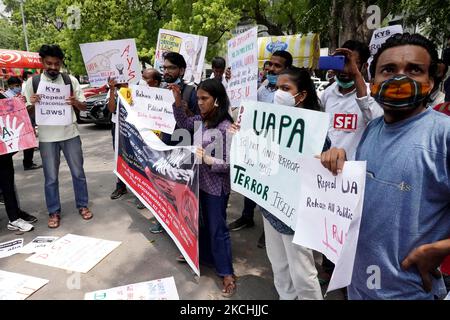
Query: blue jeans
(214, 236)
(51, 155)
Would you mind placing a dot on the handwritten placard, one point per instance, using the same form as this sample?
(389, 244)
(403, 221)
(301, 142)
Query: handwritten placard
(265, 154)
(328, 205)
(52, 109)
(74, 253)
(15, 286)
(152, 109)
(116, 59)
(243, 60)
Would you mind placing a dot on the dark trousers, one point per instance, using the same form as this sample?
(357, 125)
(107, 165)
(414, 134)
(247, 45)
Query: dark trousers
(214, 238)
(119, 183)
(249, 209)
(7, 186)
(28, 157)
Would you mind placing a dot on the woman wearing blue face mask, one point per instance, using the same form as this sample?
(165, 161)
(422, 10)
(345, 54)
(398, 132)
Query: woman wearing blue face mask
(14, 87)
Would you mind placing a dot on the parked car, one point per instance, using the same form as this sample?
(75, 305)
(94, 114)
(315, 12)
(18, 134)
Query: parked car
(97, 110)
(92, 91)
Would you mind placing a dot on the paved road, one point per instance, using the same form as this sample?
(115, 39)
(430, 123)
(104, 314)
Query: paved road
(142, 256)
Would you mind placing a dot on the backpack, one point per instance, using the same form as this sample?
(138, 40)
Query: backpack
(66, 78)
(187, 92)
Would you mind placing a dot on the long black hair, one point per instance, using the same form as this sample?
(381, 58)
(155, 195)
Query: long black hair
(218, 92)
(303, 81)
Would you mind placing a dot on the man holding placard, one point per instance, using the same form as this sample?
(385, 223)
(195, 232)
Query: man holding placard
(405, 223)
(54, 95)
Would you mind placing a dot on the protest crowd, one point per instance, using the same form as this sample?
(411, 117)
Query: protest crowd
(387, 112)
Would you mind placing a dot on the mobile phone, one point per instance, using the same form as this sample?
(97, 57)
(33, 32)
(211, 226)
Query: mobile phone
(332, 62)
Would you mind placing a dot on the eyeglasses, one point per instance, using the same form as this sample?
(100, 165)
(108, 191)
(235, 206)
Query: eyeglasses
(170, 68)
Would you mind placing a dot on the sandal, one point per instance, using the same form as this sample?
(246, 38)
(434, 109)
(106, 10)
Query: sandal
(85, 213)
(54, 220)
(229, 286)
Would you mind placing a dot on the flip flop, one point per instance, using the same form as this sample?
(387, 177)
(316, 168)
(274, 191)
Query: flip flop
(231, 285)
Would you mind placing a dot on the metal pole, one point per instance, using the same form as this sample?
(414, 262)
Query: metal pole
(24, 25)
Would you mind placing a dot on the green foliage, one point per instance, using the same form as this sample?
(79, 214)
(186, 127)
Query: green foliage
(141, 19)
(10, 36)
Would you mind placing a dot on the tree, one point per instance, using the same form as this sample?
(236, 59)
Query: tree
(10, 38)
(433, 16)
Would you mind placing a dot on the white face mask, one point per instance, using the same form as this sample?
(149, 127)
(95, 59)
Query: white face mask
(284, 98)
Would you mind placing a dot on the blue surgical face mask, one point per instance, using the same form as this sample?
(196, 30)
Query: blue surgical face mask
(178, 81)
(16, 90)
(344, 85)
(272, 78)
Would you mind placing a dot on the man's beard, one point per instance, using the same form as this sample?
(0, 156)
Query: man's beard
(52, 74)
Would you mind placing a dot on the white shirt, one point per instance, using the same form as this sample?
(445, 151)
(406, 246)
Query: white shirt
(266, 94)
(224, 81)
(349, 117)
(57, 133)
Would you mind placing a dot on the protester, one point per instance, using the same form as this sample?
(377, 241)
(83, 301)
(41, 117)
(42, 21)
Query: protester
(279, 61)
(437, 96)
(347, 100)
(405, 222)
(54, 139)
(174, 68)
(214, 175)
(293, 266)
(114, 87)
(25, 76)
(262, 75)
(151, 77)
(219, 73)
(15, 90)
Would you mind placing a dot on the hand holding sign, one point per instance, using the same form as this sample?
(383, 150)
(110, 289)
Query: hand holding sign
(35, 98)
(333, 160)
(176, 90)
(10, 134)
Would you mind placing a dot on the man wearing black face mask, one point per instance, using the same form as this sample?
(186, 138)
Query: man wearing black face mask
(405, 222)
(57, 138)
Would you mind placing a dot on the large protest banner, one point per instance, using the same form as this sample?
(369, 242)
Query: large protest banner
(52, 109)
(117, 59)
(265, 154)
(329, 205)
(243, 60)
(160, 289)
(305, 49)
(164, 178)
(15, 286)
(192, 47)
(16, 131)
(153, 108)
